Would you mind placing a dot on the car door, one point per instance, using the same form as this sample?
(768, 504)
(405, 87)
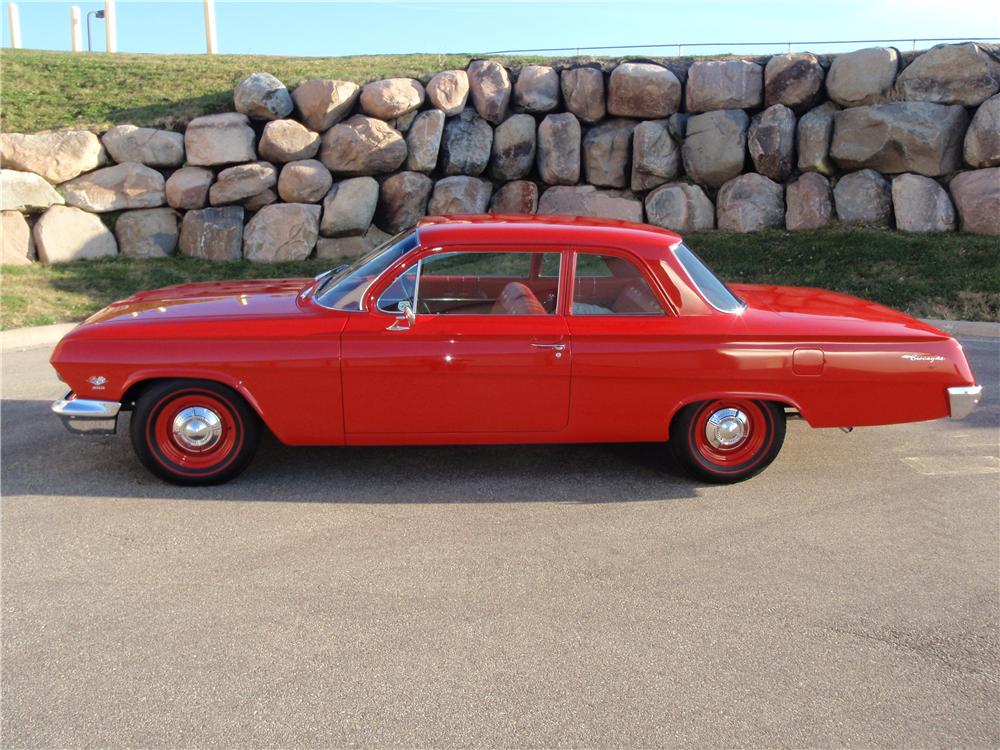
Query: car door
(485, 351)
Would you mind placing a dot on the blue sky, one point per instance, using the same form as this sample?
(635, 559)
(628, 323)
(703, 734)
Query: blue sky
(344, 28)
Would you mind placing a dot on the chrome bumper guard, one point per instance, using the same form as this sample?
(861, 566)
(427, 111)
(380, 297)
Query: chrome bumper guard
(963, 399)
(85, 417)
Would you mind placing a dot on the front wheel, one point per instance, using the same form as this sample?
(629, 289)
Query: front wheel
(727, 440)
(194, 432)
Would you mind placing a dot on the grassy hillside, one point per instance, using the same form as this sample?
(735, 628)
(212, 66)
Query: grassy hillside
(43, 90)
(944, 276)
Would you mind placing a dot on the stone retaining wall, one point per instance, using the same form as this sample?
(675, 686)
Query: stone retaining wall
(795, 141)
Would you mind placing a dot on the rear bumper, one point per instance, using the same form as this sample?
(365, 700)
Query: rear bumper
(963, 399)
(85, 417)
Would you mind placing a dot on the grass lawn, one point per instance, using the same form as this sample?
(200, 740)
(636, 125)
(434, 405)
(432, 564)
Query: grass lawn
(943, 276)
(45, 90)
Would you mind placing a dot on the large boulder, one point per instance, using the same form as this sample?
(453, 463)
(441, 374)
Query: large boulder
(900, 137)
(241, 182)
(771, 142)
(656, 157)
(977, 197)
(282, 232)
(322, 103)
(586, 200)
(921, 205)
(680, 207)
(154, 148)
(518, 197)
(423, 141)
(17, 246)
(715, 145)
(606, 151)
(966, 74)
(187, 188)
(305, 181)
(262, 97)
(213, 233)
(116, 188)
(863, 197)
(362, 146)
(349, 206)
(391, 98)
(26, 191)
(808, 202)
(65, 233)
(460, 195)
(402, 201)
(814, 134)
(513, 148)
(724, 84)
(256, 202)
(287, 140)
(865, 76)
(795, 80)
(982, 139)
(490, 87)
(332, 248)
(214, 140)
(449, 91)
(583, 92)
(148, 232)
(536, 89)
(749, 203)
(559, 149)
(643, 91)
(57, 156)
(466, 145)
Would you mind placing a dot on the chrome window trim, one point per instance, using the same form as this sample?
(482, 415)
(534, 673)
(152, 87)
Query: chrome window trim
(701, 292)
(387, 246)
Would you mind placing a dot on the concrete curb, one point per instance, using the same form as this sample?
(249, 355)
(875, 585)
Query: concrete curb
(17, 339)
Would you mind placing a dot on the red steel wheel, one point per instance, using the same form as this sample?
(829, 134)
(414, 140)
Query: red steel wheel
(194, 432)
(729, 439)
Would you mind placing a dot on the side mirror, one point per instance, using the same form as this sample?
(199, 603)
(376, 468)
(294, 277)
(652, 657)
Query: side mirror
(408, 315)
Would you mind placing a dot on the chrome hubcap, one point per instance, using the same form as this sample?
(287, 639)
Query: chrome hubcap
(727, 428)
(197, 428)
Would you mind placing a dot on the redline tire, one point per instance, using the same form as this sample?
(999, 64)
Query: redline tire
(727, 440)
(194, 432)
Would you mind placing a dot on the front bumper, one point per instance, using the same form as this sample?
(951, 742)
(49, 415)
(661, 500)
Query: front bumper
(85, 417)
(963, 399)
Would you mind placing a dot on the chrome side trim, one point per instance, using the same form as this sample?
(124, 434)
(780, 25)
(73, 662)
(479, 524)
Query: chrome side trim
(963, 399)
(86, 417)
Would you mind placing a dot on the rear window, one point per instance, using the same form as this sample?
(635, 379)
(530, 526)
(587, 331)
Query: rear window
(712, 289)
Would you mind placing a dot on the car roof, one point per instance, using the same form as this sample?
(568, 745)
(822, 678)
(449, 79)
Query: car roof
(543, 229)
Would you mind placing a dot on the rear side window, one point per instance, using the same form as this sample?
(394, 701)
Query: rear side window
(609, 285)
(717, 293)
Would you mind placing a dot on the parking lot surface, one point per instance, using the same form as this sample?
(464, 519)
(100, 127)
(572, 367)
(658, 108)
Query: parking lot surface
(525, 596)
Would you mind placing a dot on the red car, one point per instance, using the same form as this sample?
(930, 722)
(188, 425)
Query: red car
(501, 329)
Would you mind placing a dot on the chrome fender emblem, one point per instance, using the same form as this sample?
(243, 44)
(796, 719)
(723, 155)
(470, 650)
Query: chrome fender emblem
(923, 357)
(97, 381)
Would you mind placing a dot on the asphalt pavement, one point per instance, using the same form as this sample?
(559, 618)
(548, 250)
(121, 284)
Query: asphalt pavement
(545, 596)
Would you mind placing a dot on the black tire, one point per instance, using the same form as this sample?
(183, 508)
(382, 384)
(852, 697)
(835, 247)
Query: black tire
(225, 417)
(692, 447)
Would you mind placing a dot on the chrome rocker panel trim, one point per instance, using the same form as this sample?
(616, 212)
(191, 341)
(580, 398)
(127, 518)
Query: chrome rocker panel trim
(85, 417)
(963, 399)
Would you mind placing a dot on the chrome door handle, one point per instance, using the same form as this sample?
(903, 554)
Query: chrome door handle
(557, 347)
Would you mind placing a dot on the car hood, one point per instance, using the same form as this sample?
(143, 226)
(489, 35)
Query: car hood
(207, 300)
(825, 311)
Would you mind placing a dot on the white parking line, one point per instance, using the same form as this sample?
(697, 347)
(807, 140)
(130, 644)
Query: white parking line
(934, 466)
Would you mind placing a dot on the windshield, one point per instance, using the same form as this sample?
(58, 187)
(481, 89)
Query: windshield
(711, 288)
(346, 290)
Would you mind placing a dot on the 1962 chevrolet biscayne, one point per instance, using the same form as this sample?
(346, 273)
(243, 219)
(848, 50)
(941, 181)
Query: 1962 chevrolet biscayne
(501, 329)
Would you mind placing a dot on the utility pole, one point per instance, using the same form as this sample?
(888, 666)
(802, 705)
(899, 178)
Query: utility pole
(110, 27)
(14, 18)
(211, 43)
(75, 33)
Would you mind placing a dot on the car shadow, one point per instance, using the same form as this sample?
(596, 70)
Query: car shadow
(41, 458)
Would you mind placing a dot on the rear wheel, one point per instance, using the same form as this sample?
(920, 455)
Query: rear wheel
(194, 432)
(727, 440)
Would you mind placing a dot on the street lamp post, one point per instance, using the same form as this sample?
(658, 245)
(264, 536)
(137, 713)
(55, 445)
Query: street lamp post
(98, 14)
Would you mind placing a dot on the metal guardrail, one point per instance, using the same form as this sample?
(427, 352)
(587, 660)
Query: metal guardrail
(682, 45)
